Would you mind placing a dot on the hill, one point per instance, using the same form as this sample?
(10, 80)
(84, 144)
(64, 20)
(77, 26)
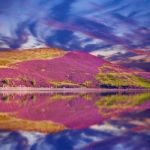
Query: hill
(139, 60)
(71, 69)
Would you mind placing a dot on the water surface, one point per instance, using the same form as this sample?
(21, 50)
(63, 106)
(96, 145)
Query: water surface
(66, 121)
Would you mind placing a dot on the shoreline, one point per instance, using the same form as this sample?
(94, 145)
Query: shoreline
(64, 90)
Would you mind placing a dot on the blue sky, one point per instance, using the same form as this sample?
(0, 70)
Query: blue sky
(85, 25)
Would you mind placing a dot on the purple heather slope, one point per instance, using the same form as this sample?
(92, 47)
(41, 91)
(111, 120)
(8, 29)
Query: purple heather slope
(74, 66)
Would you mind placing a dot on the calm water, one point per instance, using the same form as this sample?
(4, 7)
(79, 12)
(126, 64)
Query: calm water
(90, 121)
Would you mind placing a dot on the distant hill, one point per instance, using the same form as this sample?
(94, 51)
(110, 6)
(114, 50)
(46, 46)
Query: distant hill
(55, 68)
(138, 60)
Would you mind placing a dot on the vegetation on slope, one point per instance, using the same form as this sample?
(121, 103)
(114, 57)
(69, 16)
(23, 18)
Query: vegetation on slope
(13, 56)
(111, 77)
(61, 84)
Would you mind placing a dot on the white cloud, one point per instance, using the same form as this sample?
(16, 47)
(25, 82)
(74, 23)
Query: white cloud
(106, 52)
(32, 43)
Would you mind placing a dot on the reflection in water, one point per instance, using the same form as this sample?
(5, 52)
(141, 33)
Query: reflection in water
(105, 121)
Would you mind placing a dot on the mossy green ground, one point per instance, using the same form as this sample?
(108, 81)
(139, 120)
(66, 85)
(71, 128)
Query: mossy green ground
(118, 78)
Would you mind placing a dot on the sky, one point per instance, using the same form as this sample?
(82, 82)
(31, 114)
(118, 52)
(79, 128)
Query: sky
(85, 25)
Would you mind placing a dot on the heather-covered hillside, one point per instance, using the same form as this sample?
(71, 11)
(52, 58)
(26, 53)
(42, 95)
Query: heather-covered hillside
(71, 69)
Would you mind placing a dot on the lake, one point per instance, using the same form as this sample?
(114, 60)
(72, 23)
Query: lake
(75, 121)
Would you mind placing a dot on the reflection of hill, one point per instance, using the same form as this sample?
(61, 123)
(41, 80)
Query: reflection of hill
(119, 102)
(71, 110)
(126, 132)
(10, 122)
